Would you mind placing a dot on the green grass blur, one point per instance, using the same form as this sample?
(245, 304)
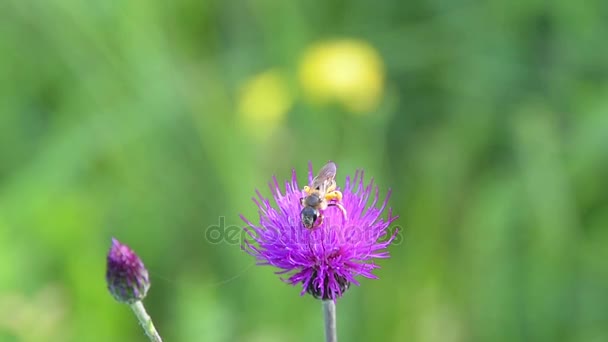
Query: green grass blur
(144, 121)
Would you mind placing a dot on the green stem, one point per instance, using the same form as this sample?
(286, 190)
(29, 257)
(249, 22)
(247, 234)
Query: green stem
(145, 321)
(329, 314)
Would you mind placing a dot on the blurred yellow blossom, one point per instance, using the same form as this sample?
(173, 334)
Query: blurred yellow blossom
(347, 71)
(263, 102)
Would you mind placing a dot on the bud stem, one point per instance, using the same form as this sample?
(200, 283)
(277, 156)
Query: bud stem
(329, 314)
(145, 321)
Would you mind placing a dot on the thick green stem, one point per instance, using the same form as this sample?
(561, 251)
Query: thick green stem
(145, 321)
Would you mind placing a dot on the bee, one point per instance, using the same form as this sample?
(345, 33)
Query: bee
(319, 192)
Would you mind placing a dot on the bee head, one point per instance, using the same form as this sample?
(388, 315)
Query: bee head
(309, 216)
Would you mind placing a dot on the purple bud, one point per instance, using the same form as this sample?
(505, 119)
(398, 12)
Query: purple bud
(126, 274)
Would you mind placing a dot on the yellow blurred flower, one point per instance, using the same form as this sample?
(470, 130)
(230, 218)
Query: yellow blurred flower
(263, 102)
(347, 71)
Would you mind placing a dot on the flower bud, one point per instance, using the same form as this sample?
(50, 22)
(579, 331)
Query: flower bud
(126, 274)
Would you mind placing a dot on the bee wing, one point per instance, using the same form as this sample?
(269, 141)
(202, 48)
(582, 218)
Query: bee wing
(326, 176)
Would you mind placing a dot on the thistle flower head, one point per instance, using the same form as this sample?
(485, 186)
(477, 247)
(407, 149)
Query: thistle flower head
(126, 274)
(326, 259)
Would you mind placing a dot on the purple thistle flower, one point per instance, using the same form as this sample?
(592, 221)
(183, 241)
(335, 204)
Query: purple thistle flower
(126, 274)
(326, 259)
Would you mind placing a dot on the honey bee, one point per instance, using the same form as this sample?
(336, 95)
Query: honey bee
(319, 192)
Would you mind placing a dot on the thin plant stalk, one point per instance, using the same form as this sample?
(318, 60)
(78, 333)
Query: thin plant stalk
(145, 321)
(329, 315)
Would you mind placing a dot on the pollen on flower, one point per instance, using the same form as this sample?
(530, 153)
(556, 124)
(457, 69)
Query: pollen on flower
(126, 274)
(327, 259)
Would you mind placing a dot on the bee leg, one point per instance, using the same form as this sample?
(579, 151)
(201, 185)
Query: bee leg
(341, 207)
(318, 221)
(334, 195)
(331, 187)
(306, 189)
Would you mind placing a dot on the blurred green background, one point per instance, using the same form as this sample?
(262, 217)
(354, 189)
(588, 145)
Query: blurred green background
(148, 121)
